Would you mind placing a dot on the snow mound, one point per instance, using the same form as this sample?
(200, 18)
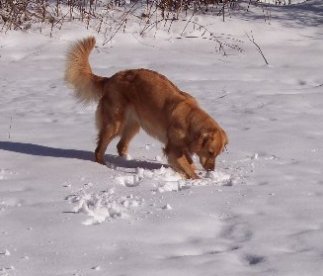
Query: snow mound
(106, 205)
(165, 174)
(103, 206)
(167, 180)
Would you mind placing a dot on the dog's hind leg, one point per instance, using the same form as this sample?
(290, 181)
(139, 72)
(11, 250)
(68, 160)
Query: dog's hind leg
(105, 136)
(179, 161)
(110, 122)
(130, 129)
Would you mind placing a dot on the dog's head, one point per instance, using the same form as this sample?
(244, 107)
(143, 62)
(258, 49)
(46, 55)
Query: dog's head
(209, 144)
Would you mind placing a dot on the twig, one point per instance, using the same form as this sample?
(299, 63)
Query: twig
(10, 127)
(148, 17)
(187, 23)
(212, 36)
(221, 97)
(252, 39)
(123, 21)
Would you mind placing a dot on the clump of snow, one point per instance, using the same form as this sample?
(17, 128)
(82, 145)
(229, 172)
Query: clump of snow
(5, 173)
(169, 186)
(158, 158)
(96, 268)
(3, 205)
(128, 157)
(102, 206)
(5, 253)
(220, 178)
(5, 271)
(167, 207)
(165, 174)
(128, 180)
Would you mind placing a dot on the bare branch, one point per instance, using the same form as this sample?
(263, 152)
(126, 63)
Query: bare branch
(252, 39)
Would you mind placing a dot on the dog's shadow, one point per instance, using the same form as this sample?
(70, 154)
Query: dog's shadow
(39, 150)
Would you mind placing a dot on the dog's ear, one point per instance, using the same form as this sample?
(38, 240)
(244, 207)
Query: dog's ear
(198, 141)
(204, 137)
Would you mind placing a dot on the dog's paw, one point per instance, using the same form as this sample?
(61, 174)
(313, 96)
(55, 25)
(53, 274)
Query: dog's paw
(102, 162)
(126, 156)
(190, 176)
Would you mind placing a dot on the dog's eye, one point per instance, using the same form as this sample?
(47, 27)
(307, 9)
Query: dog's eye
(211, 152)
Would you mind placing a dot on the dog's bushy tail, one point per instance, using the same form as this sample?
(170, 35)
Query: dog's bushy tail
(88, 87)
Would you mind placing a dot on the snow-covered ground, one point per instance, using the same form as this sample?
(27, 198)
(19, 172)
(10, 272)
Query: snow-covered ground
(259, 213)
(281, 2)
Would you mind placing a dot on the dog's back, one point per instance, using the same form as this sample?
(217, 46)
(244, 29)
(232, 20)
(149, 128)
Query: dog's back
(147, 96)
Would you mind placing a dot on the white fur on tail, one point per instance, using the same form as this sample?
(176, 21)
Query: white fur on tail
(88, 87)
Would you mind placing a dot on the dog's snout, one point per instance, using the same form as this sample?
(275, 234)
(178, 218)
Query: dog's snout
(210, 167)
(208, 164)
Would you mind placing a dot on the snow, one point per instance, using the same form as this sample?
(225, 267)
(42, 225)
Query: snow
(259, 213)
(282, 2)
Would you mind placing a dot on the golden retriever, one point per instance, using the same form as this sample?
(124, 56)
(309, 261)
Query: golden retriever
(143, 98)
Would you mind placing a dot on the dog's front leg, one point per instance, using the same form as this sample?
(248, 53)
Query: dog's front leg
(190, 160)
(179, 161)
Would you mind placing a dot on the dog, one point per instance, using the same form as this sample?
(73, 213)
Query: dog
(142, 98)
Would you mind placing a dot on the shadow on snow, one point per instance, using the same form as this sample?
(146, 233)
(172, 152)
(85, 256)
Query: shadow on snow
(309, 13)
(39, 150)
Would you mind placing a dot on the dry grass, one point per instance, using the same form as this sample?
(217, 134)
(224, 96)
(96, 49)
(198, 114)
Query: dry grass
(20, 14)
(112, 16)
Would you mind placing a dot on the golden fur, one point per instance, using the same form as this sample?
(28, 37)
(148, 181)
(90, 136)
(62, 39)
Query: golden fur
(141, 98)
